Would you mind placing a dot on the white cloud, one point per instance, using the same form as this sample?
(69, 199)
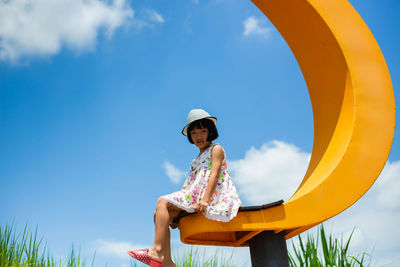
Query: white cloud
(42, 28)
(154, 16)
(254, 26)
(114, 248)
(147, 18)
(174, 174)
(270, 173)
(389, 186)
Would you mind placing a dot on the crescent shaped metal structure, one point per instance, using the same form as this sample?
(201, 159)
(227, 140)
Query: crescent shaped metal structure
(354, 116)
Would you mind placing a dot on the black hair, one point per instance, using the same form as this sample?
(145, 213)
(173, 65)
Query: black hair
(203, 123)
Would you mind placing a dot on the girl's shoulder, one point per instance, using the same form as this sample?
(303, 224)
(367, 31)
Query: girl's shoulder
(217, 146)
(217, 149)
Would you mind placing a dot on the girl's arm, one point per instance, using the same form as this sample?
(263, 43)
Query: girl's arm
(218, 156)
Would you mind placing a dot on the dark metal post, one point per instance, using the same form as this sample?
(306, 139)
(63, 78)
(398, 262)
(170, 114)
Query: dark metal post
(268, 249)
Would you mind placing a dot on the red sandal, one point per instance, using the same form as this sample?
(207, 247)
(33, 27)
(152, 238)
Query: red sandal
(142, 255)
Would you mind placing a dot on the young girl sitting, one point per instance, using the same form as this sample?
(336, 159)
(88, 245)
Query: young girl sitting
(208, 189)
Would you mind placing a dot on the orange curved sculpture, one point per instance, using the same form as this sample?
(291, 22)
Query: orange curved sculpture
(354, 116)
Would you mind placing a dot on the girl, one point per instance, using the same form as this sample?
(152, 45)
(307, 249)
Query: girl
(208, 189)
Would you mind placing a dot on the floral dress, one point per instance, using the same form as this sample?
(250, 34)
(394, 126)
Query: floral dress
(225, 202)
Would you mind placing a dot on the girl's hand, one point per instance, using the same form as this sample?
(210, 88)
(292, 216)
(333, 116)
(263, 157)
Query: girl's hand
(201, 206)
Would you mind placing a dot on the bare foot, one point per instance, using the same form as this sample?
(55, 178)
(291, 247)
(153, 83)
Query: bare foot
(153, 254)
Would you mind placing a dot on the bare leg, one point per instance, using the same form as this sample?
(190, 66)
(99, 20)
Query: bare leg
(167, 243)
(161, 227)
(161, 247)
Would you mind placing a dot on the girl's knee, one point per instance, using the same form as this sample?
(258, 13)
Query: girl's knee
(161, 202)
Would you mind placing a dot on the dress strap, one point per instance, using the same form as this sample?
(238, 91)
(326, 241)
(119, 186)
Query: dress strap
(211, 148)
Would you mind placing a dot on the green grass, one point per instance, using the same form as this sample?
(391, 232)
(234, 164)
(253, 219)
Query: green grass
(192, 258)
(330, 252)
(27, 250)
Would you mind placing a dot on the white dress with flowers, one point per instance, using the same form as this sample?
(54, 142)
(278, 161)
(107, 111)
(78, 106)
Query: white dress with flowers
(224, 203)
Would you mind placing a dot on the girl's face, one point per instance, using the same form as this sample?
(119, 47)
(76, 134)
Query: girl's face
(199, 137)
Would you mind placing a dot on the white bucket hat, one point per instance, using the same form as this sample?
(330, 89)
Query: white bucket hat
(197, 114)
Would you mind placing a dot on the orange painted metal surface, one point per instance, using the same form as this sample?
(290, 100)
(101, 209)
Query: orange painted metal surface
(354, 116)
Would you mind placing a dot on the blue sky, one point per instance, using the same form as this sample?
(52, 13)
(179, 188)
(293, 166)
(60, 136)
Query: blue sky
(93, 96)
